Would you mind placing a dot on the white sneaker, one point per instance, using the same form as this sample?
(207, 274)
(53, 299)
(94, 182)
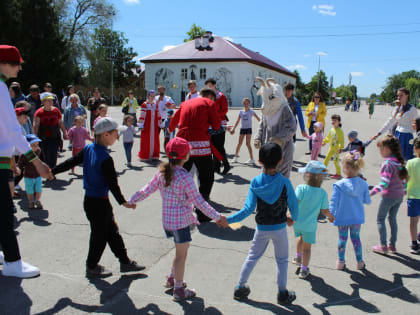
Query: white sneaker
(1, 257)
(19, 269)
(235, 159)
(250, 161)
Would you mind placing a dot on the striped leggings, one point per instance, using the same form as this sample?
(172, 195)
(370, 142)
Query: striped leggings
(355, 239)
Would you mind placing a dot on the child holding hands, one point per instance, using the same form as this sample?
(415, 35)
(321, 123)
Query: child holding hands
(78, 135)
(346, 205)
(179, 196)
(316, 137)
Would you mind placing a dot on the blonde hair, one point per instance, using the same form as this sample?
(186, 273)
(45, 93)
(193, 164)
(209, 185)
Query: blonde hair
(102, 106)
(314, 180)
(78, 118)
(246, 99)
(74, 95)
(127, 117)
(353, 160)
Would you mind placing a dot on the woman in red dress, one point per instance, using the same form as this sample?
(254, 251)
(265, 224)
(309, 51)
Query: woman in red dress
(149, 124)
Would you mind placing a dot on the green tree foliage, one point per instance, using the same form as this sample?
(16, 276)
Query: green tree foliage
(373, 96)
(107, 45)
(311, 86)
(300, 91)
(413, 85)
(395, 82)
(33, 27)
(194, 31)
(346, 91)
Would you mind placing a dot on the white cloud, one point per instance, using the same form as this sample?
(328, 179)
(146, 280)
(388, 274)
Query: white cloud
(306, 55)
(356, 74)
(324, 9)
(296, 67)
(131, 2)
(228, 38)
(380, 71)
(322, 53)
(167, 47)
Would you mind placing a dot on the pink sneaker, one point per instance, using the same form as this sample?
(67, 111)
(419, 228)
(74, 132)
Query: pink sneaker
(170, 283)
(182, 294)
(380, 249)
(392, 249)
(361, 265)
(340, 265)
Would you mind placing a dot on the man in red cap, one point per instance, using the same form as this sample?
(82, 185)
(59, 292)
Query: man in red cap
(11, 137)
(193, 118)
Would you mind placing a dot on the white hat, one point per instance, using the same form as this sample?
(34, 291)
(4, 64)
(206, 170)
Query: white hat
(107, 124)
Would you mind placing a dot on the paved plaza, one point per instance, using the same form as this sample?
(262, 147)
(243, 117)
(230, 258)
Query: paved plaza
(56, 240)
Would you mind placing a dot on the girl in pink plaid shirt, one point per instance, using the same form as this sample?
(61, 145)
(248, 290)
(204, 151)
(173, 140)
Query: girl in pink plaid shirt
(179, 196)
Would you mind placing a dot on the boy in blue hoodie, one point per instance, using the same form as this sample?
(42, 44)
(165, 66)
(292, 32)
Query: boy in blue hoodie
(272, 194)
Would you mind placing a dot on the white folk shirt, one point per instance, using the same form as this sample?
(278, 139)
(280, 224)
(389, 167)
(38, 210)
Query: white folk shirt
(163, 105)
(404, 122)
(190, 95)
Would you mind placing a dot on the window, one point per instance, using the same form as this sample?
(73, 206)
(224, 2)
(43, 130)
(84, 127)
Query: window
(203, 73)
(184, 74)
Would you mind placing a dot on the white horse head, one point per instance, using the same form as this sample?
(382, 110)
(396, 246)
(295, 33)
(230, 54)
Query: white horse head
(273, 98)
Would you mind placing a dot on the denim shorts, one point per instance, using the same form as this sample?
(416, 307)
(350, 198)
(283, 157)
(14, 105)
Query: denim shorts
(307, 237)
(245, 131)
(180, 236)
(413, 207)
(33, 185)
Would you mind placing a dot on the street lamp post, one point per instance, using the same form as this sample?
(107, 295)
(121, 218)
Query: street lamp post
(319, 68)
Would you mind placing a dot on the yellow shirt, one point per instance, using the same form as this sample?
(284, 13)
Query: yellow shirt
(322, 112)
(413, 185)
(335, 137)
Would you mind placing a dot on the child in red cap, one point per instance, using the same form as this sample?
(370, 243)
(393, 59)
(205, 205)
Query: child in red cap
(179, 196)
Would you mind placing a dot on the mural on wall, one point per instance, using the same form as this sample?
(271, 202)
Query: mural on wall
(192, 72)
(224, 79)
(165, 77)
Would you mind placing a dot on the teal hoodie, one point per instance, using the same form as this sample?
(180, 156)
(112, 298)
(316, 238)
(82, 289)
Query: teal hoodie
(267, 188)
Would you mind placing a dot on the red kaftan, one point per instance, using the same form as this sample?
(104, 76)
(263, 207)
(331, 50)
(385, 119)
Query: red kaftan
(149, 139)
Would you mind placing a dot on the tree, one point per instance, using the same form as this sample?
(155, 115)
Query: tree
(106, 45)
(346, 91)
(373, 96)
(311, 87)
(413, 85)
(395, 82)
(33, 26)
(300, 91)
(194, 31)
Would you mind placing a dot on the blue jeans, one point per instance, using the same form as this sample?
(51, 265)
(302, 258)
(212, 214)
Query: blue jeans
(258, 247)
(127, 147)
(388, 207)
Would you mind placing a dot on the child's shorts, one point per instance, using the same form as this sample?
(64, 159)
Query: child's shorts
(245, 131)
(33, 185)
(413, 207)
(180, 236)
(308, 237)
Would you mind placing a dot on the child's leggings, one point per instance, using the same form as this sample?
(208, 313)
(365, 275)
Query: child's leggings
(315, 152)
(332, 153)
(355, 239)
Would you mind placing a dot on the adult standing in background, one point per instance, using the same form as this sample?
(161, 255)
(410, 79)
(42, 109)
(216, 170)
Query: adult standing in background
(193, 93)
(164, 102)
(316, 111)
(33, 99)
(11, 137)
(48, 88)
(47, 125)
(218, 136)
(371, 108)
(16, 93)
(401, 120)
(130, 106)
(65, 101)
(294, 105)
(93, 104)
(73, 110)
(193, 118)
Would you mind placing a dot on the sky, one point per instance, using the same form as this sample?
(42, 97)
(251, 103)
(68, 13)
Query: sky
(371, 39)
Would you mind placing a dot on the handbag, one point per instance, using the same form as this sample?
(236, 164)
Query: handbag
(125, 110)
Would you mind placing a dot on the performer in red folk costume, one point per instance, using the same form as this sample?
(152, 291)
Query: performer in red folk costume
(149, 124)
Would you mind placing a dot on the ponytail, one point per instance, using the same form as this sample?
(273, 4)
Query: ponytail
(393, 144)
(167, 170)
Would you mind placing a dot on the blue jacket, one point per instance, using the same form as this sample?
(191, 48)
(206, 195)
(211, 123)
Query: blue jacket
(93, 179)
(294, 105)
(70, 114)
(268, 188)
(348, 197)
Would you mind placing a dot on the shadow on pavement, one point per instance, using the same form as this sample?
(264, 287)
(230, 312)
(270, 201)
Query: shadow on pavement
(243, 234)
(395, 289)
(221, 208)
(231, 178)
(284, 309)
(336, 297)
(405, 260)
(194, 306)
(13, 299)
(59, 184)
(37, 216)
(119, 289)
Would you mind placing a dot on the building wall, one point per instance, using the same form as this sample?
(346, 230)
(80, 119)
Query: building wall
(235, 79)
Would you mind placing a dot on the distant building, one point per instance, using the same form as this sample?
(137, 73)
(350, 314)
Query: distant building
(233, 66)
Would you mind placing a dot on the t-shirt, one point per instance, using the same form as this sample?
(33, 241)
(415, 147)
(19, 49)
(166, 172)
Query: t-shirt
(311, 201)
(48, 122)
(413, 185)
(162, 105)
(246, 118)
(316, 111)
(78, 136)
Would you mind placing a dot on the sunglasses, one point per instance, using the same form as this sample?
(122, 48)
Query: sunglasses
(316, 97)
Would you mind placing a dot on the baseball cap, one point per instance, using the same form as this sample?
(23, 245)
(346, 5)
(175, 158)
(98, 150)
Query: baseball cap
(319, 124)
(21, 111)
(353, 134)
(106, 124)
(47, 96)
(31, 138)
(10, 54)
(314, 167)
(177, 148)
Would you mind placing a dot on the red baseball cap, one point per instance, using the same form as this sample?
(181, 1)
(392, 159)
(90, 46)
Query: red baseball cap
(177, 148)
(21, 111)
(10, 54)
